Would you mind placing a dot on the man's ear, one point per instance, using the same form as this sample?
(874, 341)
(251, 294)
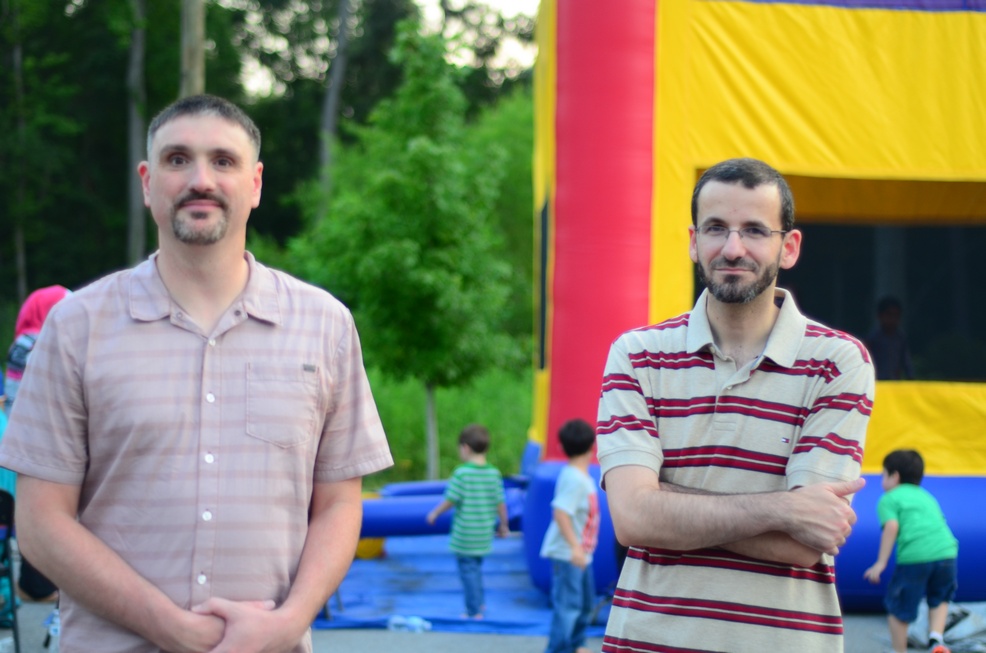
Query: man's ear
(791, 249)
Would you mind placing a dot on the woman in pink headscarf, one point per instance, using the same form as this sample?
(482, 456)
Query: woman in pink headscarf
(29, 320)
(32, 584)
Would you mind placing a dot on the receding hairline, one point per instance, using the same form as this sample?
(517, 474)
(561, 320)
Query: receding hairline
(207, 106)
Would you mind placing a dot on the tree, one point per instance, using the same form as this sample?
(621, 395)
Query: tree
(136, 105)
(509, 125)
(477, 35)
(192, 48)
(408, 242)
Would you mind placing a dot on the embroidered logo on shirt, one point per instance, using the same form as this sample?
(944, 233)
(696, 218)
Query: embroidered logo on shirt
(308, 367)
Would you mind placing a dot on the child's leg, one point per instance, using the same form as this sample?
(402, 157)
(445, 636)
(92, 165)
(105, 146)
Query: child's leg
(898, 634)
(566, 606)
(472, 584)
(937, 617)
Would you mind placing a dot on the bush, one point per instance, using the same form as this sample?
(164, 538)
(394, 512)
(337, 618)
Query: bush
(500, 400)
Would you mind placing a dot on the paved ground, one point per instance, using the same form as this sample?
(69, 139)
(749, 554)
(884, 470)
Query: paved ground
(864, 634)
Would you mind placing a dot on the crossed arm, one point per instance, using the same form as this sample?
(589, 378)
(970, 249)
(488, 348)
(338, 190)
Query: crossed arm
(794, 527)
(51, 536)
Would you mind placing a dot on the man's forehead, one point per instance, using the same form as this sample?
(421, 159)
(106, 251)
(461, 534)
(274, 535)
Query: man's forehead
(202, 131)
(739, 194)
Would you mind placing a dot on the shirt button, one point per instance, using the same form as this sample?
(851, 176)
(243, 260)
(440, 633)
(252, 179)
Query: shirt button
(209, 458)
(201, 579)
(212, 342)
(207, 516)
(211, 398)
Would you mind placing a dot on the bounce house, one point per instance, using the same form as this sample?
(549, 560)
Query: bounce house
(874, 110)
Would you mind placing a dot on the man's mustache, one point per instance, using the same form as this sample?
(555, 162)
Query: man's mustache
(740, 264)
(195, 196)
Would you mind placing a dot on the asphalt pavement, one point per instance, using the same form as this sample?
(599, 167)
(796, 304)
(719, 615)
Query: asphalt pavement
(864, 634)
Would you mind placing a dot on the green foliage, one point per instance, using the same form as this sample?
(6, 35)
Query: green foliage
(498, 399)
(509, 126)
(408, 242)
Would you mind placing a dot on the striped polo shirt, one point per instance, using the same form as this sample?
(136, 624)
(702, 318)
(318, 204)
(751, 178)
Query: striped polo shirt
(797, 415)
(195, 453)
(476, 491)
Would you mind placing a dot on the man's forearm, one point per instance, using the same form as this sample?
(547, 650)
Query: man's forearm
(333, 533)
(94, 575)
(647, 513)
(774, 546)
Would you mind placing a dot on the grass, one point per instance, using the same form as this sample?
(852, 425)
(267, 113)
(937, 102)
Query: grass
(500, 400)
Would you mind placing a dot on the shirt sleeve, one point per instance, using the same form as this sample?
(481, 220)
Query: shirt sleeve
(626, 433)
(353, 442)
(568, 493)
(830, 445)
(47, 436)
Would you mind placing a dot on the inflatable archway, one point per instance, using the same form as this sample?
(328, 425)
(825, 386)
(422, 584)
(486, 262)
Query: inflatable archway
(875, 111)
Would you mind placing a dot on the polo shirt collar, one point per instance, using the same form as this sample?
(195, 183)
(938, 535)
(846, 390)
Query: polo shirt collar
(782, 344)
(149, 298)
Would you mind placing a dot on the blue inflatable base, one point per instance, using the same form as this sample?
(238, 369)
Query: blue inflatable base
(958, 496)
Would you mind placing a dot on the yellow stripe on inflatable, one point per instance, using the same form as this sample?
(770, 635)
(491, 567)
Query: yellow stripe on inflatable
(942, 420)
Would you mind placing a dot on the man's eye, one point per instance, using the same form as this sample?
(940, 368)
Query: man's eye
(755, 232)
(176, 159)
(714, 230)
(224, 163)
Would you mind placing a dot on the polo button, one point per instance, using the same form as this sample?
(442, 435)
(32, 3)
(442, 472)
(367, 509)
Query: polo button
(212, 342)
(207, 516)
(201, 579)
(209, 458)
(211, 398)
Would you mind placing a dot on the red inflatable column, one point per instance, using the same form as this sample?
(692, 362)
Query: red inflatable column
(603, 188)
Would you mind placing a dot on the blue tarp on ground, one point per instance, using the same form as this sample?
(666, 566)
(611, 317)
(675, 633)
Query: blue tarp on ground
(418, 577)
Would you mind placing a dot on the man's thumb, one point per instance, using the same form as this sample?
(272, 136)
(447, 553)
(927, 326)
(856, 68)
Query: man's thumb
(849, 487)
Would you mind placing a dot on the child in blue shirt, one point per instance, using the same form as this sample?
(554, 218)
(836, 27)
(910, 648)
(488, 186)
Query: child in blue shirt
(571, 539)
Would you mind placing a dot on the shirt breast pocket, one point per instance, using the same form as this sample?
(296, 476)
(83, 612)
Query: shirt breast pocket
(282, 403)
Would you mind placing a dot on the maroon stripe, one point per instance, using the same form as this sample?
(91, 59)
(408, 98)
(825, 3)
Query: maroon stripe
(628, 423)
(729, 611)
(817, 331)
(723, 559)
(623, 645)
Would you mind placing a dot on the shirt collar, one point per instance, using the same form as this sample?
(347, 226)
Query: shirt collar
(149, 298)
(782, 344)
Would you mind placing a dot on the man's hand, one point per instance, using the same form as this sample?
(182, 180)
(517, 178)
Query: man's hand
(821, 517)
(251, 626)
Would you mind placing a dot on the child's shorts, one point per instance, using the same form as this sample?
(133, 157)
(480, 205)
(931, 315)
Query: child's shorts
(935, 581)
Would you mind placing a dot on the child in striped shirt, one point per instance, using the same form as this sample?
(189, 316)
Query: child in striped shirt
(476, 492)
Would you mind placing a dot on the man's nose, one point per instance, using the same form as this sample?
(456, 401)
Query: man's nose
(202, 177)
(734, 247)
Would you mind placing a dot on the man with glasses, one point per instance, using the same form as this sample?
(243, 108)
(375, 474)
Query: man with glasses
(730, 440)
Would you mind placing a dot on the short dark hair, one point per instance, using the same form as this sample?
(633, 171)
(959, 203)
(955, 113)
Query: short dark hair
(751, 173)
(576, 437)
(886, 303)
(476, 437)
(204, 105)
(906, 462)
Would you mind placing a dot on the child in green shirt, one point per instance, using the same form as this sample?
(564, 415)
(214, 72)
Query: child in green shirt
(476, 492)
(926, 551)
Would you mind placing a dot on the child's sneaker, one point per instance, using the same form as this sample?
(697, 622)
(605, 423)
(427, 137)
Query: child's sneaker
(938, 646)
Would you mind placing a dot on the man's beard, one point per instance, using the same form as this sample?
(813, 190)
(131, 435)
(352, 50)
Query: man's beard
(184, 229)
(731, 290)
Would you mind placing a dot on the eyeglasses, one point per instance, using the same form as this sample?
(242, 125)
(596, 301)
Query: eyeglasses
(752, 233)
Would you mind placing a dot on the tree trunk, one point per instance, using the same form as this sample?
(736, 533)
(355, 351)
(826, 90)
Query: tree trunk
(20, 251)
(330, 104)
(192, 48)
(431, 432)
(136, 103)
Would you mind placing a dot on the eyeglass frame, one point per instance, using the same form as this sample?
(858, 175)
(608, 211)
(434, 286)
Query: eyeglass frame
(761, 234)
